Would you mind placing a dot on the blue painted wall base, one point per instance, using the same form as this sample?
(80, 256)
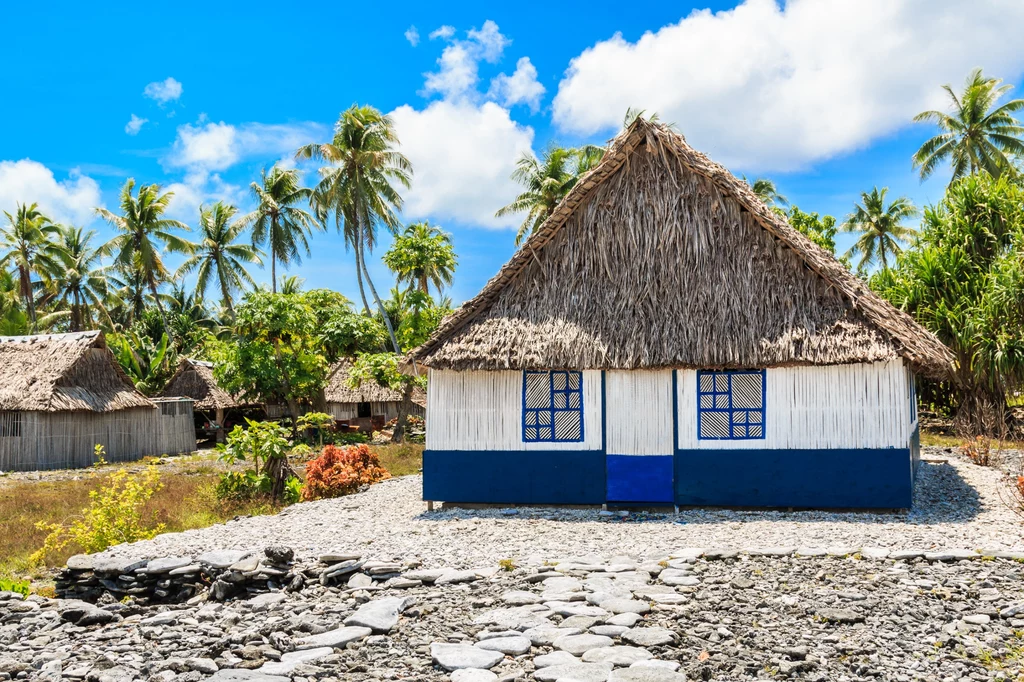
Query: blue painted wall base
(818, 479)
(515, 477)
(640, 478)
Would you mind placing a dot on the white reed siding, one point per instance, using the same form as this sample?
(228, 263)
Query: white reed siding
(639, 413)
(837, 406)
(484, 411)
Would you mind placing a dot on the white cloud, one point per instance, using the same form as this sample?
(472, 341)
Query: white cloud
(199, 188)
(522, 87)
(71, 200)
(412, 35)
(133, 126)
(163, 91)
(767, 88)
(457, 76)
(210, 146)
(452, 179)
(444, 33)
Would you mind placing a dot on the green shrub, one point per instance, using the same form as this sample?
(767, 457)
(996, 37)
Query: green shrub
(350, 438)
(265, 445)
(114, 516)
(242, 485)
(293, 490)
(19, 586)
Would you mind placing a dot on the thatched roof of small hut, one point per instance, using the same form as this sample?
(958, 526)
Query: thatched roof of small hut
(63, 373)
(194, 379)
(661, 258)
(340, 391)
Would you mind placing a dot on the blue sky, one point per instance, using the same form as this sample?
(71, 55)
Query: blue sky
(816, 94)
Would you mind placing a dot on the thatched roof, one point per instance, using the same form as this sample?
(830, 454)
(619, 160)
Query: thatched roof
(660, 257)
(194, 379)
(339, 391)
(64, 372)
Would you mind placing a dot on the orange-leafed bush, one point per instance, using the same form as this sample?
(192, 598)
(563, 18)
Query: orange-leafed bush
(340, 471)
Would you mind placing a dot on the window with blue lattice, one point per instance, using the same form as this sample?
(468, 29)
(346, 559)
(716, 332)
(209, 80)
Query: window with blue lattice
(730, 405)
(552, 407)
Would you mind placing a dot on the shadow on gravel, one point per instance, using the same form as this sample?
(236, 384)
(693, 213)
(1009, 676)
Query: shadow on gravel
(941, 495)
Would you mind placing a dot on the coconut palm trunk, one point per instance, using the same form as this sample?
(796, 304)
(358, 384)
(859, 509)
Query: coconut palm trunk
(25, 282)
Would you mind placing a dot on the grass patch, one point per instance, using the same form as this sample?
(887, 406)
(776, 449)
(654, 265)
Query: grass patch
(187, 500)
(401, 459)
(941, 440)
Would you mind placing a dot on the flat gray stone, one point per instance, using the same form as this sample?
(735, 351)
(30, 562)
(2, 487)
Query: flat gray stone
(359, 580)
(267, 600)
(342, 568)
(626, 619)
(336, 556)
(645, 674)
(906, 554)
(222, 558)
(555, 658)
(293, 660)
(840, 616)
(473, 675)
(427, 575)
(875, 553)
(547, 634)
(243, 675)
(512, 646)
(646, 637)
(116, 566)
(580, 644)
(164, 565)
(679, 580)
(951, 555)
(80, 562)
(514, 618)
(809, 552)
(769, 551)
(162, 618)
(207, 666)
(741, 583)
(520, 598)
(626, 606)
(458, 656)
(577, 672)
(978, 619)
(453, 577)
(622, 656)
(569, 609)
(186, 570)
(655, 663)
(380, 615)
(608, 630)
(336, 638)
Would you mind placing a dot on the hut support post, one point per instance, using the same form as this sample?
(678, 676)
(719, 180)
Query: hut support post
(219, 417)
(430, 505)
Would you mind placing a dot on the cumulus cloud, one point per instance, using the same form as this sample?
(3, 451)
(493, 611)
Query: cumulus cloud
(198, 188)
(522, 87)
(164, 91)
(452, 179)
(444, 32)
(134, 125)
(211, 146)
(458, 76)
(412, 35)
(71, 200)
(764, 87)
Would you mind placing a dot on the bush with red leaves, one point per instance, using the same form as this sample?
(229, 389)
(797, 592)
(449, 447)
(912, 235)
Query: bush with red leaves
(341, 471)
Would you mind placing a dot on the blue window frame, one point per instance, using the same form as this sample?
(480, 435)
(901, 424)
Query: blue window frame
(552, 407)
(730, 405)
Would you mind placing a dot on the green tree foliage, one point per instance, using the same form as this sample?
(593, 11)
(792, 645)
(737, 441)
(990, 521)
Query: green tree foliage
(880, 226)
(219, 255)
(965, 282)
(27, 243)
(977, 135)
(383, 368)
(546, 181)
(264, 445)
(147, 363)
(819, 229)
(80, 285)
(359, 186)
(275, 354)
(422, 255)
(278, 221)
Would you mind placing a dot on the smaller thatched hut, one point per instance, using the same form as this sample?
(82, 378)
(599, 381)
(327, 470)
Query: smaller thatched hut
(63, 394)
(194, 379)
(371, 405)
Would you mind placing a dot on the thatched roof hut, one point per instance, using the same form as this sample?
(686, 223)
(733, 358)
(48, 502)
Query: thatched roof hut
(62, 394)
(660, 257)
(194, 379)
(666, 338)
(370, 400)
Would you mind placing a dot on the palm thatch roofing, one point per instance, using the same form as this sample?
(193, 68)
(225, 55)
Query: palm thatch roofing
(194, 379)
(661, 258)
(339, 389)
(64, 373)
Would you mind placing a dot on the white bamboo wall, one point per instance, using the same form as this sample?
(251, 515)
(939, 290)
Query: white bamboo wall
(388, 410)
(483, 411)
(639, 414)
(65, 440)
(840, 406)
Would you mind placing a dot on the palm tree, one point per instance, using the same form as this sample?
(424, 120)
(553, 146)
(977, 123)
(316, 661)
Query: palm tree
(767, 192)
(277, 220)
(81, 286)
(879, 226)
(27, 243)
(976, 135)
(219, 255)
(547, 181)
(13, 320)
(422, 255)
(143, 231)
(292, 284)
(358, 186)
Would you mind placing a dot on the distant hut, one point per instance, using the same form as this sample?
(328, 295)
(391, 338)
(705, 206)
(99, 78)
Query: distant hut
(665, 338)
(194, 379)
(63, 394)
(371, 405)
